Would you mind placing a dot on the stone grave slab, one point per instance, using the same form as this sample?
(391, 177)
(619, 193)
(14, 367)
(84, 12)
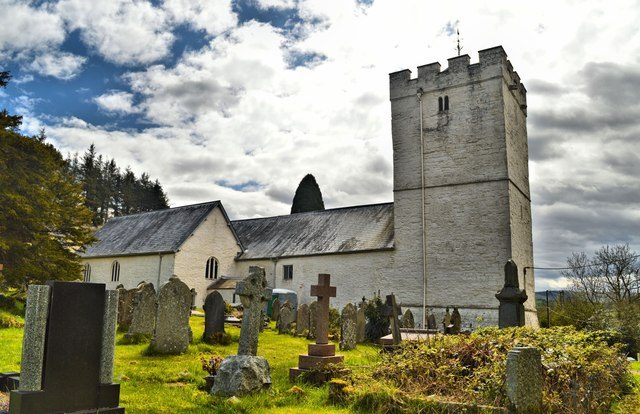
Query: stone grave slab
(302, 320)
(172, 331)
(214, 308)
(348, 326)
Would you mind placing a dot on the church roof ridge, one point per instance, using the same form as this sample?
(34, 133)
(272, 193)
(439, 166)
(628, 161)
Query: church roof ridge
(165, 209)
(317, 211)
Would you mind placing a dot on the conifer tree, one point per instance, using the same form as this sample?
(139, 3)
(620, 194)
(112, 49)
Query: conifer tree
(308, 196)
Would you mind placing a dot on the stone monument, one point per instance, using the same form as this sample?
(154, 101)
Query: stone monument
(172, 331)
(407, 320)
(322, 352)
(302, 320)
(361, 323)
(286, 317)
(275, 309)
(512, 298)
(446, 322)
(313, 319)
(125, 308)
(391, 311)
(214, 308)
(524, 380)
(456, 321)
(144, 309)
(67, 350)
(247, 373)
(431, 321)
(348, 327)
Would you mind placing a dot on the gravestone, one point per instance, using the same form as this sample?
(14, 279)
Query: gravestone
(214, 308)
(361, 322)
(456, 321)
(322, 352)
(511, 310)
(247, 373)
(145, 307)
(407, 320)
(446, 321)
(431, 322)
(348, 329)
(172, 322)
(285, 318)
(275, 309)
(67, 350)
(313, 319)
(391, 311)
(125, 307)
(302, 320)
(524, 380)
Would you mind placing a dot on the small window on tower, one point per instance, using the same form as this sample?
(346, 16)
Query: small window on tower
(446, 103)
(440, 104)
(287, 271)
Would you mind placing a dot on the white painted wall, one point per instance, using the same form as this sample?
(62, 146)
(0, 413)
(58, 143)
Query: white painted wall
(133, 269)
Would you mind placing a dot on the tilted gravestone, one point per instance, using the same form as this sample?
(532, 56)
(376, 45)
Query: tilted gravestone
(125, 307)
(524, 381)
(172, 322)
(322, 352)
(214, 308)
(511, 310)
(275, 309)
(246, 373)
(285, 318)
(391, 311)
(67, 350)
(348, 328)
(302, 320)
(361, 323)
(407, 320)
(313, 319)
(145, 307)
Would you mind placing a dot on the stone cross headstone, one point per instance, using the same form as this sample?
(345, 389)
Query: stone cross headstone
(407, 320)
(302, 321)
(524, 380)
(172, 322)
(253, 292)
(67, 350)
(456, 321)
(247, 373)
(145, 307)
(446, 321)
(285, 318)
(125, 308)
(361, 322)
(313, 319)
(348, 328)
(322, 352)
(214, 308)
(511, 310)
(391, 311)
(275, 309)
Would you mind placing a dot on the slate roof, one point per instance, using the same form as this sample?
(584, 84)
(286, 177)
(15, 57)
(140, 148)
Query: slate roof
(340, 230)
(160, 231)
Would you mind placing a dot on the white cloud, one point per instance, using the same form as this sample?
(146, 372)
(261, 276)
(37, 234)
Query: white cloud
(57, 64)
(27, 28)
(116, 102)
(213, 16)
(276, 4)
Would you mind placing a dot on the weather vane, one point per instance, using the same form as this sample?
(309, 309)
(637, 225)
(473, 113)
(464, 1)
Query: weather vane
(459, 47)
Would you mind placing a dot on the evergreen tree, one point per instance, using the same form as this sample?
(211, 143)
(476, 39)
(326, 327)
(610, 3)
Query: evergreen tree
(8, 122)
(308, 196)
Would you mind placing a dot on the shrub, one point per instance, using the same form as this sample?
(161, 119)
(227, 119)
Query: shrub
(8, 320)
(211, 363)
(377, 324)
(583, 372)
(334, 323)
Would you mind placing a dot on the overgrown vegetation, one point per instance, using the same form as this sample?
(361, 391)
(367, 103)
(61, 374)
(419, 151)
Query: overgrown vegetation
(377, 324)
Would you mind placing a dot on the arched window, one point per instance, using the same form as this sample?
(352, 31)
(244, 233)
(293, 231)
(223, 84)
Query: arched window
(115, 271)
(440, 104)
(211, 271)
(87, 273)
(446, 103)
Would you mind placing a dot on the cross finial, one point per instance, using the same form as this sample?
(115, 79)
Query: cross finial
(459, 47)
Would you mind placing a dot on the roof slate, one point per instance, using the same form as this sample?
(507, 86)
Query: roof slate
(340, 230)
(160, 231)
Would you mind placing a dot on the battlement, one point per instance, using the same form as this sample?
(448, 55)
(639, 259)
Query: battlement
(492, 63)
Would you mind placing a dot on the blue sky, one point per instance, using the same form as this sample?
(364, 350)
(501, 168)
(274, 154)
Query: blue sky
(238, 100)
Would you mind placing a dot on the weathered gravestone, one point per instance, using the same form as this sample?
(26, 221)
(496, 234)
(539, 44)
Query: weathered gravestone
(214, 308)
(322, 352)
(446, 321)
(524, 380)
(348, 330)
(125, 307)
(285, 318)
(313, 319)
(172, 322)
(246, 373)
(511, 310)
(302, 321)
(145, 307)
(67, 350)
(391, 311)
(275, 309)
(456, 321)
(431, 321)
(361, 322)
(407, 320)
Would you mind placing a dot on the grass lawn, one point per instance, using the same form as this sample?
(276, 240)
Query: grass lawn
(170, 384)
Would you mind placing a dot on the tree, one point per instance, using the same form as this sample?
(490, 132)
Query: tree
(308, 196)
(8, 122)
(43, 221)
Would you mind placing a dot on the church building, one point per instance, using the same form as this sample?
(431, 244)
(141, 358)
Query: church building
(461, 208)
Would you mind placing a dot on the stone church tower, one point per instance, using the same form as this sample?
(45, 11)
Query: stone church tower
(462, 204)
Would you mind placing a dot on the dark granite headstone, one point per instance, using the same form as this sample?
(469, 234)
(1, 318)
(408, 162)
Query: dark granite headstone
(74, 360)
(214, 308)
(511, 310)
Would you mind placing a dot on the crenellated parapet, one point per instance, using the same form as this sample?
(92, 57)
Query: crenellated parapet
(493, 63)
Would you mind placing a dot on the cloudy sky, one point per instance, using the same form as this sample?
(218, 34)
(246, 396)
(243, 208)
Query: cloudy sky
(238, 100)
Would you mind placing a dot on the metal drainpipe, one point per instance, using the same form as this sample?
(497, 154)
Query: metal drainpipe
(419, 93)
